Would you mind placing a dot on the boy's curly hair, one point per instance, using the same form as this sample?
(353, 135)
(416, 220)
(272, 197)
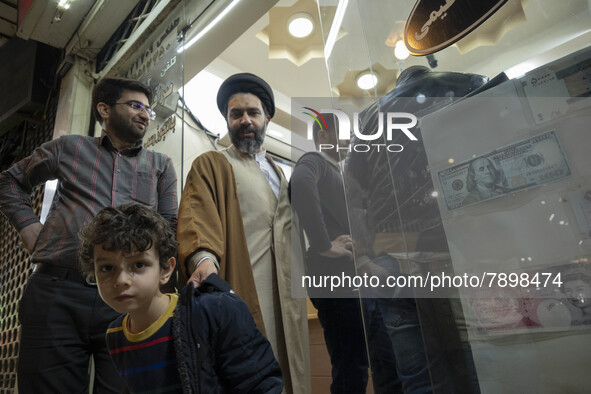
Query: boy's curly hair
(129, 228)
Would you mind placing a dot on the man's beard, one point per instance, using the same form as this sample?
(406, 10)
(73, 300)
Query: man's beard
(124, 129)
(247, 144)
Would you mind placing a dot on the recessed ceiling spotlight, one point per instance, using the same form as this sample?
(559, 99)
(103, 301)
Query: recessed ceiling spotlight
(367, 81)
(400, 50)
(300, 25)
(63, 4)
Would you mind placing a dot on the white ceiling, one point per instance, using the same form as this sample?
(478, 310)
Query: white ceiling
(548, 29)
(249, 53)
(552, 28)
(549, 25)
(93, 22)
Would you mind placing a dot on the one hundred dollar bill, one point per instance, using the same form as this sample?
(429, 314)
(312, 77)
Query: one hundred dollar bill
(529, 163)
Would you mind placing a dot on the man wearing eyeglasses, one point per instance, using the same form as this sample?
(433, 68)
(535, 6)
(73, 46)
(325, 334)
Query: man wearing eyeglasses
(63, 319)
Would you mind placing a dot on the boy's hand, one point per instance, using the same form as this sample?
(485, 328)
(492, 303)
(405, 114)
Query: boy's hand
(206, 268)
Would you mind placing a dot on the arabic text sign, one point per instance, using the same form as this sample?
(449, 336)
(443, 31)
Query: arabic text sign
(533, 162)
(436, 24)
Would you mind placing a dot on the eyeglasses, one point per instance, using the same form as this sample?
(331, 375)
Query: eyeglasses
(139, 107)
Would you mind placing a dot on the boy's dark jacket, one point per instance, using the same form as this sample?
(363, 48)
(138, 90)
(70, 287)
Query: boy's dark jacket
(218, 347)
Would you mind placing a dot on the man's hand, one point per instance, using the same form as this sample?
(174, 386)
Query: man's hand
(340, 247)
(29, 236)
(206, 268)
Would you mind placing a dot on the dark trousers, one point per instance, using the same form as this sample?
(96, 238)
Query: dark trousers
(63, 323)
(345, 330)
(421, 369)
(430, 358)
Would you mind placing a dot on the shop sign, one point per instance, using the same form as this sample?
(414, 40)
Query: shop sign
(169, 125)
(437, 24)
(153, 52)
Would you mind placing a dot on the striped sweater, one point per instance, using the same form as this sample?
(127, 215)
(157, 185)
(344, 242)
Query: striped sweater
(146, 360)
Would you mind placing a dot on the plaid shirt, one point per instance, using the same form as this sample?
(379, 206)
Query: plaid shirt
(91, 175)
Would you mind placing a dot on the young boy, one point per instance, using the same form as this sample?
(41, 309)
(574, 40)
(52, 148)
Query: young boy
(201, 341)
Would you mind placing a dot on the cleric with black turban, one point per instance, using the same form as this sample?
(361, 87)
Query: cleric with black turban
(247, 103)
(235, 221)
(246, 83)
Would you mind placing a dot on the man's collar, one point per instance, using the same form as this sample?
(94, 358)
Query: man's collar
(107, 143)
(259, 156)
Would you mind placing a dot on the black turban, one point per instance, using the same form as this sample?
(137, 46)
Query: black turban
(246, 83)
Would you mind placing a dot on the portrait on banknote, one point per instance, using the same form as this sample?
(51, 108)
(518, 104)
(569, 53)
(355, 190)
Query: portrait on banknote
(529, 163)
(484, 181)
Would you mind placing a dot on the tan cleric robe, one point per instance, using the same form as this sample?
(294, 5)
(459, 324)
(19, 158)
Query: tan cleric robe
(226, 193)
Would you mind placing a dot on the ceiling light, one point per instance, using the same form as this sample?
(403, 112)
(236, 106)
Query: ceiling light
(335, 27)
(367, 81)
(400, 50)
(62, 6)
(300, 25)
(207, 28)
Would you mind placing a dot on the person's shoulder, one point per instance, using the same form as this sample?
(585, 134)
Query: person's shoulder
(116, 325)
(214, 284)
(213, 308)
(214, 297)
(313, 155)
(212, 155)
(155, 155)
(67, 145)
(75, 139)
(213, 160)
(209, 154)
(311, 158)
(212, 287)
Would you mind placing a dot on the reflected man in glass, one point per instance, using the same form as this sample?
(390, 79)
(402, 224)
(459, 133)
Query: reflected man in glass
(318, 199)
